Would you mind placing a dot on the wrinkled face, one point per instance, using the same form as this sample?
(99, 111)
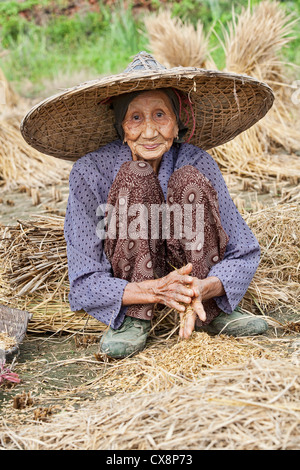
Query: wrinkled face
(150, 126)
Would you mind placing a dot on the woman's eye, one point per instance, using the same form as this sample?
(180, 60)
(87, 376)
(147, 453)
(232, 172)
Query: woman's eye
(135, 117)
(160, 114)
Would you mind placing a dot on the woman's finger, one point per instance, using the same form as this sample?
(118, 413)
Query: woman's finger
(184, 279)
(173, 304)
(199, 309)
(184, 290)
(185, 269)
(187, 324)
(183, 299)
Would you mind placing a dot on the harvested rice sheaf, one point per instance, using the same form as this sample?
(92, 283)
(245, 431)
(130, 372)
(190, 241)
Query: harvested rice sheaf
(253, 45)
(22, 165)
(176, 43)
(277, 279)
(35, 275)
(34, 254)
(8, 96)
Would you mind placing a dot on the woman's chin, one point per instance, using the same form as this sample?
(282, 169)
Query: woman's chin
(150, 153)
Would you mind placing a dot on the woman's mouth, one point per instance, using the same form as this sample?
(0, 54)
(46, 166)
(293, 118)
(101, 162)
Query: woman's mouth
(151, 146)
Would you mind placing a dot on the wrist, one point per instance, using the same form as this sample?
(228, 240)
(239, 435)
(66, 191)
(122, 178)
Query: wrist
(211, 287)
(142, 292)
(147, 291)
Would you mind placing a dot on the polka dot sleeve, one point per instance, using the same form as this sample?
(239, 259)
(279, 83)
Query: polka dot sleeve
(242, 255)
(92, 285)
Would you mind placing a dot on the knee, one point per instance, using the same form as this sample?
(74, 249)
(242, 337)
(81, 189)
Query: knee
(189, 185)
(186, 174)
(135, 173)
(137, 183)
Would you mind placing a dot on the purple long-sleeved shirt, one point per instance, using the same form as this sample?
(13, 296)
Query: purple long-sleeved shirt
(93, 287)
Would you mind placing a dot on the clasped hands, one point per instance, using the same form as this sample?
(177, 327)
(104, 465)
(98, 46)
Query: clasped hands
(178, 290)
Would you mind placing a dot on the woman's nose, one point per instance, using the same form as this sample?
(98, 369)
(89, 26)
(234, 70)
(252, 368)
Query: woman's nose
(149, 129)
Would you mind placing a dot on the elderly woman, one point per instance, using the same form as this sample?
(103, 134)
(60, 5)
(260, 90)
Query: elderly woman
(149, 217)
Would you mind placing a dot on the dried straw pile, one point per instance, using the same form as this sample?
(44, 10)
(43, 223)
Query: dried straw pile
(277, 279)
(20, 164)
(35, 253)
(35, 275)
(252, 43)
(8, 96)
(253, 406)
(35, 272)
(161, 366)
(6, 341)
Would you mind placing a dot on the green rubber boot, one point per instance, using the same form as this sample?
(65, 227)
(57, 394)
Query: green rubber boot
(236, 323)
(127, 340)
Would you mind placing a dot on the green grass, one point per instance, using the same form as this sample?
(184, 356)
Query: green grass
(100, 42)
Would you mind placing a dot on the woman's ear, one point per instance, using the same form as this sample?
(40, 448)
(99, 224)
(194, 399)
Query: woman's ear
(124, 136)
(176, 131)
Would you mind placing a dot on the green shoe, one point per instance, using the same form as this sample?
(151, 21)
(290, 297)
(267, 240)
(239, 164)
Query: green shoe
(129, 339)
(236, 324)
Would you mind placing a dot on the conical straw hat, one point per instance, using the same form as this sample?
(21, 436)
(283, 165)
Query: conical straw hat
(80, 120)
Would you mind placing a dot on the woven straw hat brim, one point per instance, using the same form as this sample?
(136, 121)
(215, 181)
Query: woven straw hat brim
(75, 122)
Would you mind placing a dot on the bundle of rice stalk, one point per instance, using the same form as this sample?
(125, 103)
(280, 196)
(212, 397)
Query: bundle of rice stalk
(253, 44)
(234, 408)
(21, 165)
(175, 43)
(249, 155)
(34, 255)
(51, 313)
(256, 37)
